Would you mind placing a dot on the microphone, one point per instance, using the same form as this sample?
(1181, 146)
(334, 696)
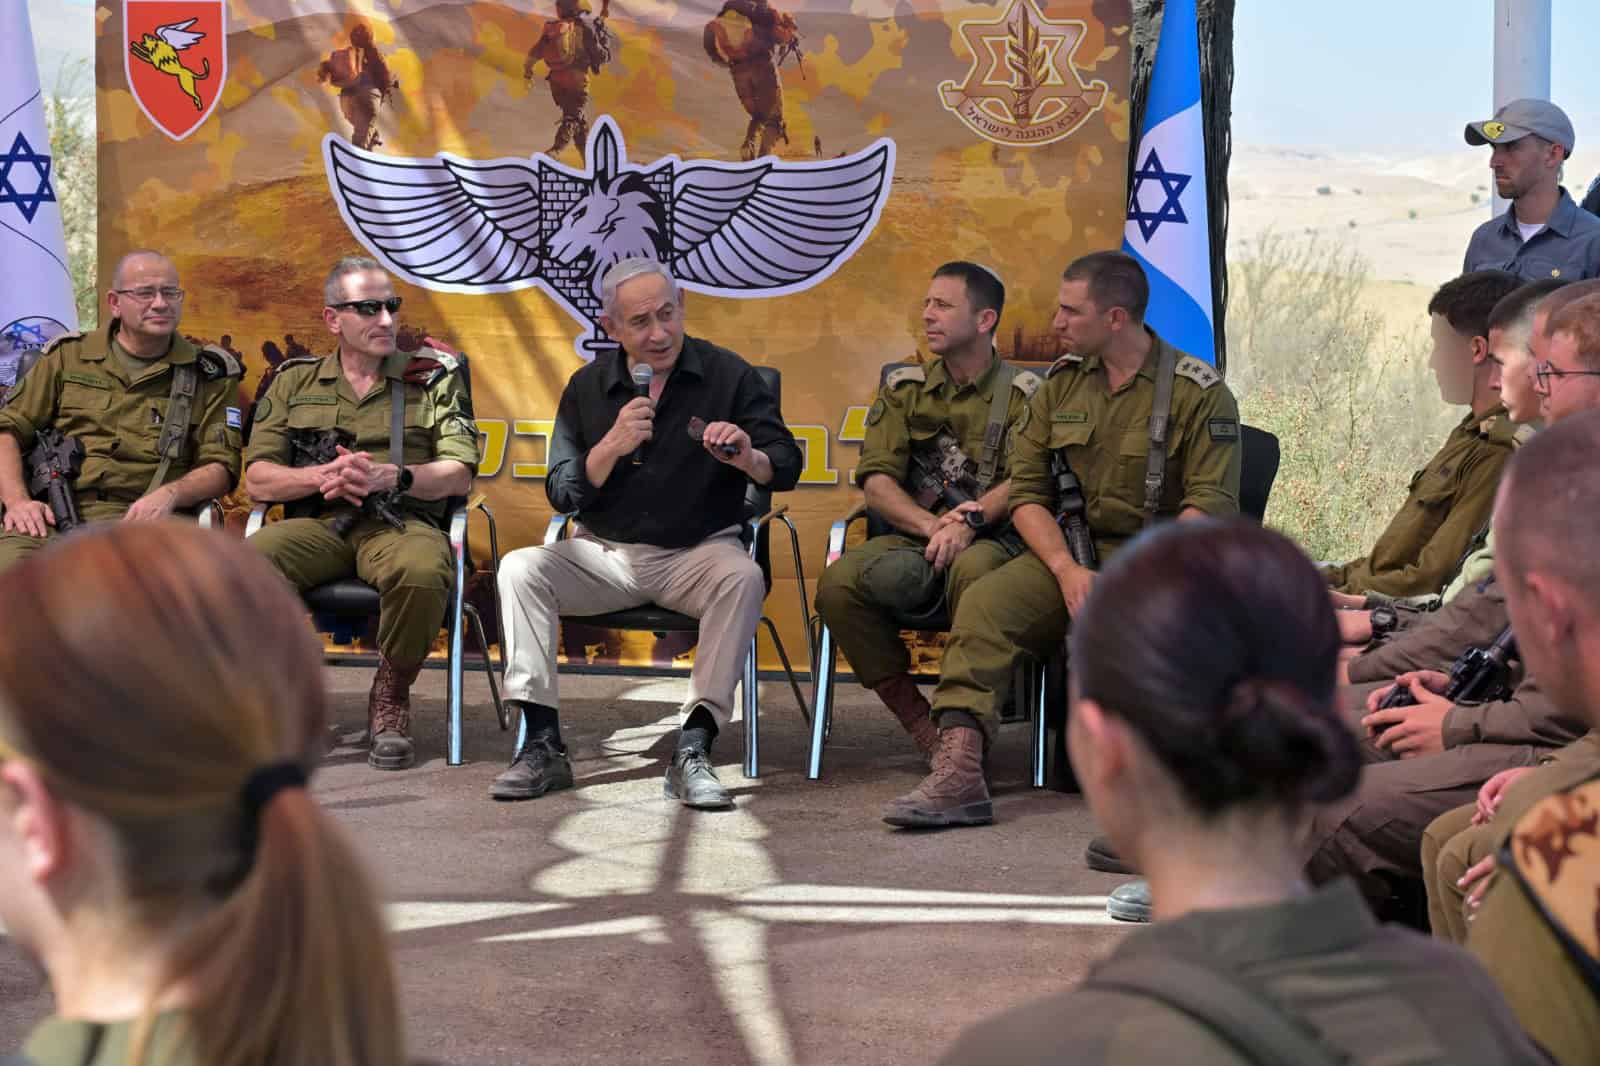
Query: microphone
(641, 374)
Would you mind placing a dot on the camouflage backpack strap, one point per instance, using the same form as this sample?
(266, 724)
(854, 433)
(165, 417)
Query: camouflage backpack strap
(1155, 462)
(994, 431)
(1553, 854)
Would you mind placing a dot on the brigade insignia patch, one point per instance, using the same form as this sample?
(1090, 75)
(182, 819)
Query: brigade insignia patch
(263, 408)
(1493, 130)
(876, 413)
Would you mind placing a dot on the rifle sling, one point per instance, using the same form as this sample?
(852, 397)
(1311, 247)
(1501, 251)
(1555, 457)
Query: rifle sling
(999, 404)
(1155, 463)
(180, 403)
(397, 422)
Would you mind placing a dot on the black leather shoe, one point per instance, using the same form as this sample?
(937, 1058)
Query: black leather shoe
(1130, 902)
(691, 780)
(1100, 855)
(537, 769)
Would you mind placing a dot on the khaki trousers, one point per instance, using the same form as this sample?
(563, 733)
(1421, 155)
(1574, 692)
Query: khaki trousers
(715, 581)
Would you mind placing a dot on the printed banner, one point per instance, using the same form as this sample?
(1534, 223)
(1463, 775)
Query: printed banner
(803, 169)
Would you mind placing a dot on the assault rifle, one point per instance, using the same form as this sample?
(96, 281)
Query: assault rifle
(1071, 509)
(54, 463)
(1478, 675)
(315, 447)
(932, 483)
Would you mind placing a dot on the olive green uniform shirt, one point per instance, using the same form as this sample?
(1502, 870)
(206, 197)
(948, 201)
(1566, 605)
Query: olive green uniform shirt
(82, 388)
(314, 394)
(915, 403)
(1378, 994)
(1106, 437)
(1448, 504)
(71, 1042)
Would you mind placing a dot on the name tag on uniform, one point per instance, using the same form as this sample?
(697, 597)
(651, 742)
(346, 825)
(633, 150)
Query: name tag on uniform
(1223, 428)
(234, 420)
(1069, 416)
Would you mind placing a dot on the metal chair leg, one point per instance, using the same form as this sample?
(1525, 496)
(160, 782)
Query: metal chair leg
(488, 667)
(453, 756)
(788, 669)
(752, 716)
(1037, 746)
(822, 705)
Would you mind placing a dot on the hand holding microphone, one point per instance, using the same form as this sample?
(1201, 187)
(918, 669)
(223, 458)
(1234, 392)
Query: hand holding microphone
(641, 374)
(635, 423)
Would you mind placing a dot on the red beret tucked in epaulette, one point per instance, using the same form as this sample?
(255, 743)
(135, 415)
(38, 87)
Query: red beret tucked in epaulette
(428, 366)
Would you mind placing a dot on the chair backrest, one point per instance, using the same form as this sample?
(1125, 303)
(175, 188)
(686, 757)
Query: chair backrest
(1258, 468)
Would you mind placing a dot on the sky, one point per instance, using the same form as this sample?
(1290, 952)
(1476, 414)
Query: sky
(1396, 76)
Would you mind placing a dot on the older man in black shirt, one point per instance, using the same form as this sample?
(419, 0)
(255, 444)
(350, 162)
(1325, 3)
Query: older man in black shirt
(659, 514)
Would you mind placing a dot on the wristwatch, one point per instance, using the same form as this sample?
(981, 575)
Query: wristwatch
(1384, 620)
(404, 480)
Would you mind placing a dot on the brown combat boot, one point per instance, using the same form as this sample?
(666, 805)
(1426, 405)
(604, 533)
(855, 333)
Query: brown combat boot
(901, 695)
(955, 793)
(389, 716)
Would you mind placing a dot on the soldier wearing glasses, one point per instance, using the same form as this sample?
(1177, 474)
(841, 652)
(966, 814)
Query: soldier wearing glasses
(362, 393)
(151, 411)
(1567, 379)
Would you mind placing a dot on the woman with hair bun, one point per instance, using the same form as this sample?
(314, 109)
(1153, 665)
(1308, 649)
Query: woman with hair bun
(161, 707)
(1203, 730)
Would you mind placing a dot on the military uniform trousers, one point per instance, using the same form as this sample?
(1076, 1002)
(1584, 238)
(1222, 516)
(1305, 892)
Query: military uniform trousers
(1450, 846)
(1376, 832)
(863, 596)
(1014, 610)
(15, 547)
(715, 581)
(411, 571)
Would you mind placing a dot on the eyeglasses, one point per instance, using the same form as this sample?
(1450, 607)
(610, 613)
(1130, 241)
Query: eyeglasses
(147, 293)
(369, 308)
(1544, 372)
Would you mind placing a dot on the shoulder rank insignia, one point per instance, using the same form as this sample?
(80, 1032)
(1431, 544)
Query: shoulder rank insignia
(1069, 361)
(56, 342)
(217, 363)
(428, 366)
(1198, 371)
(1026, 382)
(899, 377)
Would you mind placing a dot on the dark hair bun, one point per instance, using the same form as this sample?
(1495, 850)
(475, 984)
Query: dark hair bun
(1273, 742)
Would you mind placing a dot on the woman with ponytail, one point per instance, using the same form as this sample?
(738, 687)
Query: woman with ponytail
(1203, 731)
(161, 707)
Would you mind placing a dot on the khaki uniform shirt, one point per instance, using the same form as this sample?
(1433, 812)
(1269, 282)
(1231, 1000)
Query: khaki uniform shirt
(71, 1042)
(313, 394)
(916, 402)
(1106, 436)
(82, 387)
(1379, 994)
(1448, 503)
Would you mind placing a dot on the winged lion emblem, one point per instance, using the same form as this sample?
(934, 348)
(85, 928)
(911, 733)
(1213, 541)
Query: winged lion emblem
(746, 230)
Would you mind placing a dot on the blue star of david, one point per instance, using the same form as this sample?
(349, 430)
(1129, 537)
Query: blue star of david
(23, 155)
(1172, 184)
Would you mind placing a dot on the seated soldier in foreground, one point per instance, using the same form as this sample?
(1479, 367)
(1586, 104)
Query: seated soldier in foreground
(1085, 459)
(149, 416)
(1450, 497)
(952, 525)
(1536, 931)
(659, 498)
(1202, 759)
(363, 503)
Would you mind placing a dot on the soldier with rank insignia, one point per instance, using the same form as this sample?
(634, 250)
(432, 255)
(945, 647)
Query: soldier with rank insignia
(935, 465)
(136, 425)
(364, 446)
(1143, 432)
(1449, 499)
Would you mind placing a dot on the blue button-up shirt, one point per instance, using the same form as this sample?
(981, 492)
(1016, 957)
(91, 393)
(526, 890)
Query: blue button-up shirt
(1567, 248)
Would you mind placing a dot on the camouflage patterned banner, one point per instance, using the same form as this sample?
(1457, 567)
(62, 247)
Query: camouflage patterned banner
(803, 169)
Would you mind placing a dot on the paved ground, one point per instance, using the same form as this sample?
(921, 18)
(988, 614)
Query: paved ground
(606, 923)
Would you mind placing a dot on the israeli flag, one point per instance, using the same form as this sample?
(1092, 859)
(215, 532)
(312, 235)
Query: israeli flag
(36, 297)
(1167, 229)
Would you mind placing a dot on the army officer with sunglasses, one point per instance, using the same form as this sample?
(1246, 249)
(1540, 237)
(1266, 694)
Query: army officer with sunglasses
(321, 442)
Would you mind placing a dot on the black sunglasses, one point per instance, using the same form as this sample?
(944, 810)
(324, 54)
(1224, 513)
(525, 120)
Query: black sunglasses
(370, 308)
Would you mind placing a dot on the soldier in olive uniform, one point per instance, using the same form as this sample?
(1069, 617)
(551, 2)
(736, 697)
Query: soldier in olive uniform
(1094, 409)
(355, 390)
(116, 395)
(949, 534)
(1449, 499)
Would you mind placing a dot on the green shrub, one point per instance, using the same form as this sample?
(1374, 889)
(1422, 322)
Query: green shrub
(69, 113)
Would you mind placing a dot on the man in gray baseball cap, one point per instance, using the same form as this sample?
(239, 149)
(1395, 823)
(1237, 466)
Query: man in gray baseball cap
(1544, 234)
